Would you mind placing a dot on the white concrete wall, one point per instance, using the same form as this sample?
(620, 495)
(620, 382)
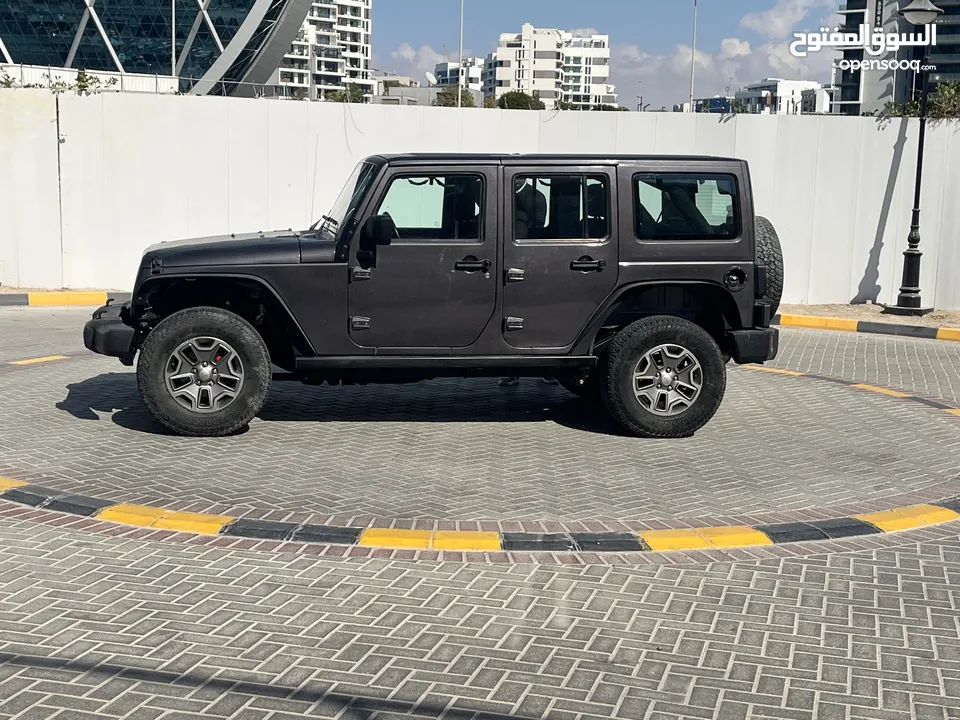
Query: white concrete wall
(138, 169)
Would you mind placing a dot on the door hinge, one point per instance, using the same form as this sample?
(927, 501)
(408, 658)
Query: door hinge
(359, 273)
(515, 275)
(513, 323)
(359, 323)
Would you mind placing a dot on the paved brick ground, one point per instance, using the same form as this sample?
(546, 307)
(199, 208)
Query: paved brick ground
(468, 450)
(927, 367)
(100, 627)
(94, 627)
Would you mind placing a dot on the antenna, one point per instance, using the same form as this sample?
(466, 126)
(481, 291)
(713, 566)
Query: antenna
(431, 79)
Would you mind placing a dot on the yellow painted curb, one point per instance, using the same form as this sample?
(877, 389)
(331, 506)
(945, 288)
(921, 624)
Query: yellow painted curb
(674, 540)
(160, 519)
(882, 390)
(954, 412)
(34, 361)
(67, 298)
(466, 540)
(909, 518)
(388, 538)
(948, 334)
(200, 523)
(734, 536)
(821, 323)
(9, 484)
(141, 515)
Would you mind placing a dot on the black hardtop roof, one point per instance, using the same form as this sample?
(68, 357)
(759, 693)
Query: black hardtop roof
(573, 158)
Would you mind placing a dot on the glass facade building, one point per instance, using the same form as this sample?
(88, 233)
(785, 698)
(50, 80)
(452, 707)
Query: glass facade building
(220, 44)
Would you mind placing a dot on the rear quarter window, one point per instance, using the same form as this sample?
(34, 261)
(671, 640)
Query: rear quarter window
(686, 206)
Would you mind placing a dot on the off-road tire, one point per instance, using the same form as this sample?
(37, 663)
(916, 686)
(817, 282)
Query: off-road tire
(200, 322)
(626, 350)
(770, 254)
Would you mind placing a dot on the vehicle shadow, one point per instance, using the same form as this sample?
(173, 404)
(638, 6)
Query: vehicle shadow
(441, 401)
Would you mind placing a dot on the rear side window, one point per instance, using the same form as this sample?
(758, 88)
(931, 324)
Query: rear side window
(561, 207)
(693, 206)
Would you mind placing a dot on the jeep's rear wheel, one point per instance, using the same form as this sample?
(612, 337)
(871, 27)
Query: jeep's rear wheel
(770, 254)
(204, 372)
(664, 377)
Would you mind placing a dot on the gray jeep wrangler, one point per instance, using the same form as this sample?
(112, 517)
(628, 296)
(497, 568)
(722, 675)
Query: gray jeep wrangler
(632, 280)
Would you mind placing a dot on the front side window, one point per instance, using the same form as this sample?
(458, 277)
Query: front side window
(561, 207)
(675, 206)
(436, 207)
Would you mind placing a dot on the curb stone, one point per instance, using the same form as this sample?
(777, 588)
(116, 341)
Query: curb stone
(867, 326)
(94, 298)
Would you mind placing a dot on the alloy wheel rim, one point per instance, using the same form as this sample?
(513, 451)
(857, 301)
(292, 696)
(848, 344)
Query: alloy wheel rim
(667, 380)
(204, 374)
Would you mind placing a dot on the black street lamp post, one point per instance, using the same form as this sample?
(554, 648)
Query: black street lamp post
(918, 12)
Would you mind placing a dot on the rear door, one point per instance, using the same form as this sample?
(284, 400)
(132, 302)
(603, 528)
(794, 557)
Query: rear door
(560, 251)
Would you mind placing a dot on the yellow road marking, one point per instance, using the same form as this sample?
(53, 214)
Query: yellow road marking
(822, 323)
(674, 540)
(734, 536)
(881, 390)
(67, 298)
(9, 484)
(388, 538)
(948, 334)
(954, 412)
(466, 540)
(776, 371)
(909, 517)
(34, 361)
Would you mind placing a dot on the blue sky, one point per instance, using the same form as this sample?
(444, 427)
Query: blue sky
(738, 41)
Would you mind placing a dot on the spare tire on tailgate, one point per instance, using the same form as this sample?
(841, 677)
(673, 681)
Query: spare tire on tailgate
(770, 254)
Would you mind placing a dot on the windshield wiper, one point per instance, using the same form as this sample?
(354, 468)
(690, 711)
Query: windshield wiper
(323, 220)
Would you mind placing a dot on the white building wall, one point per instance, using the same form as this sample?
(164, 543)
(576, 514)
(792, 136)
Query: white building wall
(141, 168)
(448, 73)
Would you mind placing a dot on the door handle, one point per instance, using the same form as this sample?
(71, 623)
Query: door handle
(472, 264)
(587, 263)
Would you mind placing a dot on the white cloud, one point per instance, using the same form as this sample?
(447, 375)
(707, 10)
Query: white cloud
(778, 22)
(415, 62)
(585, 32)
(734, 47)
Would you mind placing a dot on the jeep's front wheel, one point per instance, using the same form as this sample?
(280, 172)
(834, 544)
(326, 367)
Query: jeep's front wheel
(664, 377)
(204, 372)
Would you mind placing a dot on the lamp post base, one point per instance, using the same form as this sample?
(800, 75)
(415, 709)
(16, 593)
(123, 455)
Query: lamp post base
(905, 311)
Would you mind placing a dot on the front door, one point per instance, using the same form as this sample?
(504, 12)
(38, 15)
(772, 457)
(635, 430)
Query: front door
(435, 285)
(560, 252)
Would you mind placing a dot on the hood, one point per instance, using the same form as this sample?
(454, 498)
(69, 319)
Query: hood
(259, 248)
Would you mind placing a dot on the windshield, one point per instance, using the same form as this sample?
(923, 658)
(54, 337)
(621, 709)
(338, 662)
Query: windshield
(349, 199)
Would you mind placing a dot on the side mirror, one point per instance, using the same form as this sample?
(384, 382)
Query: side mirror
(378, 230)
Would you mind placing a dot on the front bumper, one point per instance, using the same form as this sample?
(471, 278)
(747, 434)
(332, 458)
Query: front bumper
(754, 346)
(107, 334)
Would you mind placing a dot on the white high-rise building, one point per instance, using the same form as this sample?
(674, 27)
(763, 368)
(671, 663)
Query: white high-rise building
(448, 73)
(330, 53)
(553, 65)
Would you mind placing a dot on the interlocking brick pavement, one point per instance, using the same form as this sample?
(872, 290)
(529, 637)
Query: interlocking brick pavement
(926, 367)
(458, 450)
(109, 628)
